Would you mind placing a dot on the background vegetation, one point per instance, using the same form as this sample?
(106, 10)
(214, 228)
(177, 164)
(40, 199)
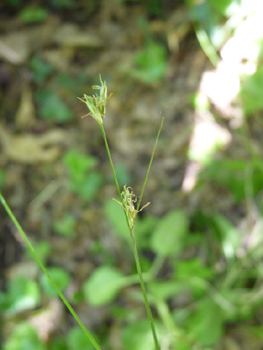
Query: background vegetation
(199, 65)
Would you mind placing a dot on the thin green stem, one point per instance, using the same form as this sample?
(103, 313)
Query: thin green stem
(32, 250)
(206, 45)
(130, 224)
(111, 162)
(146, 302)
(149, 166)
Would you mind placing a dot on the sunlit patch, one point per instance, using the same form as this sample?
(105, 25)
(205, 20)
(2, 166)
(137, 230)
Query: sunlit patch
(221, 86)
(207, 138)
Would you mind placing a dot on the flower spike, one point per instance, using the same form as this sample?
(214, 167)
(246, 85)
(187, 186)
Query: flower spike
(128, 203)
(97, 103)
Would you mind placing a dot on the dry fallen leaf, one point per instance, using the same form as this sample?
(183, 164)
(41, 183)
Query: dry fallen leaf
(25, 116)
(31, 149)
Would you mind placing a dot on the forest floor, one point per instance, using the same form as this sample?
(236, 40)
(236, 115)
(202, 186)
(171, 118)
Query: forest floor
(154, 68)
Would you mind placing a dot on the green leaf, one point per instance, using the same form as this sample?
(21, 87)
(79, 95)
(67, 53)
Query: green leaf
(237, 309)
(83, 181)
(151, 63)
(193, 275)
(205, 15)
(78, 164)
(66, 226)
(33, 14)
(4, 301)
(103, 285)
(230, 237)
(251, 92)
(77, 339)
(42, 249)
(60, 276)
(236, 175)
(169, 237)
(23, 294)
(193, 268)
(155, 8)
(88, 189)
(165, 290)
(72, 85)
(58, 344)
(222, 6)
(24, 337)
(40, 68)
(115, 214)
(206, 323)
(143, 229)
(52, 107)
(138, 336)
(143, 226)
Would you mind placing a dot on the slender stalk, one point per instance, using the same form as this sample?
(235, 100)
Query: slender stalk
(111, 162)
(149, 166)
(206, 45)
(134, 245)
(146, 302)
(32, 250)
(97, 107)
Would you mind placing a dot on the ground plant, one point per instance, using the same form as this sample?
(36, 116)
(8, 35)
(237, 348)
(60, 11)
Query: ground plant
(131, 206)
(218, 296)
(186, 271)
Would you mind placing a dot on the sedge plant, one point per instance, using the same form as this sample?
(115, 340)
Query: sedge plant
(128, 200)
(131, 206)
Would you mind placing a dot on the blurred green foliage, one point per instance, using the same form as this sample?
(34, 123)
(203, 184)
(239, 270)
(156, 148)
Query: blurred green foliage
(115, 214)
(198, 258)
(151, 63)
(243, 179)
(84, 180)
(122, 174)
(63, 3)
(52, 107)
(77, 339)
(154, 7)
(60, 276)
(33, 14)
(169, 236)
(251, 92)
(24, 337)
(138, 336)
(66, 226)
(103, 285)
(41, 69)
(15, 2)
(23, 294)
(43, 250)
(2, 178)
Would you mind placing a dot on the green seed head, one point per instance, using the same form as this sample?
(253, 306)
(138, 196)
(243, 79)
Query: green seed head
(97, 103)
(128, 203)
